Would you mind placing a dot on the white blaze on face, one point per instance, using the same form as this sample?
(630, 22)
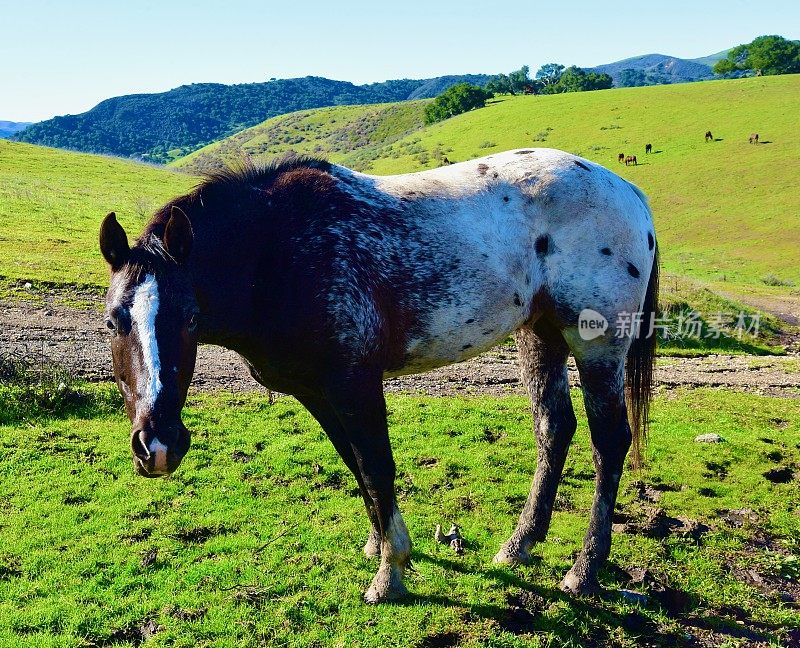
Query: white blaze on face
(143, 314)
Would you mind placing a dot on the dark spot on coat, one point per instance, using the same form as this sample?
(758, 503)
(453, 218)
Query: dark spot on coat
(524, 151)
(505, 198)
(606, 251)
(650, 241)
(466, 346)
(517, 300)
(488, 331)
(633, 271)
(482, 169)
(582, 165)
(542, 245)
(495, 174)
(469, 321)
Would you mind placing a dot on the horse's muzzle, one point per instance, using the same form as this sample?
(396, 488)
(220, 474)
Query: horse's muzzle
(152, 457)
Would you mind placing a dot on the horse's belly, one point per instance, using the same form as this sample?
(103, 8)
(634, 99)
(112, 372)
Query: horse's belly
(464, 330)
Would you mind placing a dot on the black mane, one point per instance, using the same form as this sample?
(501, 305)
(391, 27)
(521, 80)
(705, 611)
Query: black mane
(227, 185)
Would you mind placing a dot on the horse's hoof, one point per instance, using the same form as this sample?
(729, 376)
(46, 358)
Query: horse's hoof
(511, 557)
(580, 586)
(386, 586)
(377, 594)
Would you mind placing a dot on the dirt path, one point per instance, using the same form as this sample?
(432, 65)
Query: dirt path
(77, 339)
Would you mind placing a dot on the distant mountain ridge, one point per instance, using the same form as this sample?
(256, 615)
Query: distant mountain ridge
(9, 128)
(656, 69)
(161, 126)
(164, 126)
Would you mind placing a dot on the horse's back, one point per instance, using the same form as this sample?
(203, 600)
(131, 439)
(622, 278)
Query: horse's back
(497, 240)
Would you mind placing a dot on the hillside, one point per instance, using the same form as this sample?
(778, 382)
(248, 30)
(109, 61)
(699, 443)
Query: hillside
(655, 69)
(52, 202)
(348, 135)
(727, 213)
(9, 128)
(162, 126)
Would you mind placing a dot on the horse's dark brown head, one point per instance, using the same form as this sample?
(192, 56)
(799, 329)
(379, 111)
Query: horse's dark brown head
(152, 316)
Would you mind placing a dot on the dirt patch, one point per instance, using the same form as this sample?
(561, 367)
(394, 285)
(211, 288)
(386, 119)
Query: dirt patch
(77, 339)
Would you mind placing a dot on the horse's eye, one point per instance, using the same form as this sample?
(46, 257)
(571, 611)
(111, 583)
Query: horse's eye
(110, 325)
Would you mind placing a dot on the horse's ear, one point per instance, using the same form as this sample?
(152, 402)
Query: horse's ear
(113, 242)
(178, 235)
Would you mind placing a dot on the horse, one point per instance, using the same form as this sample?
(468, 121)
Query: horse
(327, 281)
(648, 148)
(709, 137)
(621, 158)
(631, 159)
(754, 138)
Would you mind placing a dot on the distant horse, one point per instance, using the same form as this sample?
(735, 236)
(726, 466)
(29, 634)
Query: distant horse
(709, 136)
(648, 148)
(445, 161)
(326, 281)
(631, 159)
(621, 158)
(754, 138)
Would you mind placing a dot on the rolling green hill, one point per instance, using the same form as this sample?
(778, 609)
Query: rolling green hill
(349, 135)
(52, 202)
(727, 212)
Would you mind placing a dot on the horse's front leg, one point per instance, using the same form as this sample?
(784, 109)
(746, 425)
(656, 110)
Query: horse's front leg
(327, 417)
(358, 401)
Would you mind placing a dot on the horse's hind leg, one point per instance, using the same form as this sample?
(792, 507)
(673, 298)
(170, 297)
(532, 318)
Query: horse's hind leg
(602, 381)
(543, 363)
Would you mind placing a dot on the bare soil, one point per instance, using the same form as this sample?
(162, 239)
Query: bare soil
(76, 338)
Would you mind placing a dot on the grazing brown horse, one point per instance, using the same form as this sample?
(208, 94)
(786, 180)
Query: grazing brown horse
(754, 138)
(631, 159)
(326, 281)
(709, 136)
(621, 158)
(648, 148)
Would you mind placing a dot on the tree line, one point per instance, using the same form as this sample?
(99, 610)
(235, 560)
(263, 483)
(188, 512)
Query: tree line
(551, 78)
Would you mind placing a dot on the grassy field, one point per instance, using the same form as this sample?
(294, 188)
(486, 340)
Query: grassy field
(256, 540)
(727, 213)
(350, 135)
(52, 203)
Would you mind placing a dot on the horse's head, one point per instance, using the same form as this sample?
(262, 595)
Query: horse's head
(151, 314)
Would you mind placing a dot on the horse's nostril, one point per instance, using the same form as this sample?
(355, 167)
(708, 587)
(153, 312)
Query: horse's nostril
(139, 445)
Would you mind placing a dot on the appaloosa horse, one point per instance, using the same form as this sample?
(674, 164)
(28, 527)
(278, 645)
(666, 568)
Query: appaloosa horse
(754, 138)
(326, 281)
(709, 137)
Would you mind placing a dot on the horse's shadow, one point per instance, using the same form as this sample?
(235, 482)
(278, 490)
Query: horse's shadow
(765, 142)
(718, 139)
(584, 609)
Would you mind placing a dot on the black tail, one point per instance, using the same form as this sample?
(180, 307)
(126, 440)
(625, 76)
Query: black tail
(639, 369)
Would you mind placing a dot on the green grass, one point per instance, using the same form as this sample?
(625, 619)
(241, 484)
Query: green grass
(258, 535)
(52, 203)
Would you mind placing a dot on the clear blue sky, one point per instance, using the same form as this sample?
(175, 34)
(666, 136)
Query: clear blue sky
(64, 57)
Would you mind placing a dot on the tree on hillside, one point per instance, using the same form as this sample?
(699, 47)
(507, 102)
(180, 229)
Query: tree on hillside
(456, 100)
(764, 55)
(513, 83)
(549, 74)
(575, 79)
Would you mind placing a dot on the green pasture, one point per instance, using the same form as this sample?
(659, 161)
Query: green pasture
(257, 538)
